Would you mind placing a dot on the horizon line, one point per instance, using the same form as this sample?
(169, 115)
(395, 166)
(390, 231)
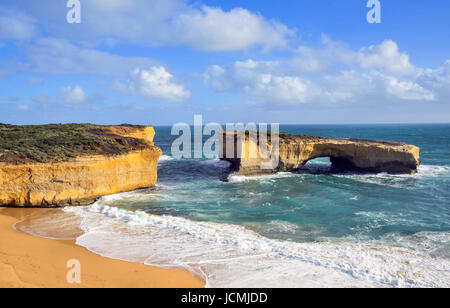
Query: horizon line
(286, 124)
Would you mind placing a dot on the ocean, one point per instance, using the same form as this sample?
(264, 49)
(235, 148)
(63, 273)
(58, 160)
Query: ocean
(313, 228)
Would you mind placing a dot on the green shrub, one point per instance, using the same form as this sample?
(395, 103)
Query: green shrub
(58, 142)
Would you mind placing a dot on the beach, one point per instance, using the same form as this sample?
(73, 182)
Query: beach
(311, 228)
(33, 262)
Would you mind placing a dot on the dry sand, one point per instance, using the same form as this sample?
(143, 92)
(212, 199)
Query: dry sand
(30, 261)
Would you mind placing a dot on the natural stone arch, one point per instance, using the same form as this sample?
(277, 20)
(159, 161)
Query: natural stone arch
(345, 155)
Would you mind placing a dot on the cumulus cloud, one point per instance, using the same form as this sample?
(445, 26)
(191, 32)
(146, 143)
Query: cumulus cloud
(69, 96)
(256, 80)
(155, 83)
(331, 56)
(386, 55)
(166, 22)
(437, 80)
(408, 90)
(213, 29)
(331, 74)
(74, 95)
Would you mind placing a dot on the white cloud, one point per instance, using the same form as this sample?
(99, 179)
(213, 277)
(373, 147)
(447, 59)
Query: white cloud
(330, 56)
(281, 88)
(58, 56)
(74, 95)
(438, 80)
(165, 22)
(333, 74)
(387, 56)
(212, 29)
(408, 90)
(255, 80)
(155, 83)
(15, 25)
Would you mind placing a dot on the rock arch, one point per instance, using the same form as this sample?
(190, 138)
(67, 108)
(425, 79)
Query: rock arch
(345, 154)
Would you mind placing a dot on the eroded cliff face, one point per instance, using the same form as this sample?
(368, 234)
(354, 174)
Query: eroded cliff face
(83, 179)
(345, 154)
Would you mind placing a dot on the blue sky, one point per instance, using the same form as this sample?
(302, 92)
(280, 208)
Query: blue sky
(162, 61)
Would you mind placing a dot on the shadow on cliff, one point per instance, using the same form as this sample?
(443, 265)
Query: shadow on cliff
(311, 169)
(198, 170)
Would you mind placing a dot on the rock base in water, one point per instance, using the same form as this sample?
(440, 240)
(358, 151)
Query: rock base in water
(295, 151)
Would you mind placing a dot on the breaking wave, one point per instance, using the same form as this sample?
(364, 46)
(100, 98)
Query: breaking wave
(232, 256)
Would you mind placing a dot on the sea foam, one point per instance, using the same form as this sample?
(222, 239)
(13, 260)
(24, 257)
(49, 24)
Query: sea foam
(232, 256)
(165, 158)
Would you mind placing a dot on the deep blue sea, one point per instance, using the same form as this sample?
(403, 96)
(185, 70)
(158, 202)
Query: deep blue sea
(311, 228)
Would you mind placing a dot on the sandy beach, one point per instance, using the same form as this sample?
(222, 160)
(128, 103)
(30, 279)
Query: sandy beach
(35, 262)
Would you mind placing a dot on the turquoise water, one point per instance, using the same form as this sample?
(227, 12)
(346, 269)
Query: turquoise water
(316, 204)
(315, 217)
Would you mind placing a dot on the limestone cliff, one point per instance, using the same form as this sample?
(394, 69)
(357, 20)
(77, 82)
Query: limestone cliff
(109, 168)
(345, 154)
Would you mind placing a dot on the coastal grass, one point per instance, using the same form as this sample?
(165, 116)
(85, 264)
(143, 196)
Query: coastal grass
(61, 142)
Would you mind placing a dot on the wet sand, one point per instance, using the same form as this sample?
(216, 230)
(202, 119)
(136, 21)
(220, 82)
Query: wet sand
(36, 262)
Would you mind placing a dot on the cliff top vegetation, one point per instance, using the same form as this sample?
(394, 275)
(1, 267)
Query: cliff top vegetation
(62, 142)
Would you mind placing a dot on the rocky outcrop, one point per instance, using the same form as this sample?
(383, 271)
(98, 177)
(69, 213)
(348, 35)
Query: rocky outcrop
(82, 179)
(295, 151)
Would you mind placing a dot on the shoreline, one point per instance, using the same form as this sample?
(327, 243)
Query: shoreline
(28, 261)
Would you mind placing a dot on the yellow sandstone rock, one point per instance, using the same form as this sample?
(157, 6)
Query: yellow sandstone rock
(83, 179)
(295, 151)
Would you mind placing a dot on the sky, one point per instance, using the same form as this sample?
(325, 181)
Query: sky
(160, 62)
